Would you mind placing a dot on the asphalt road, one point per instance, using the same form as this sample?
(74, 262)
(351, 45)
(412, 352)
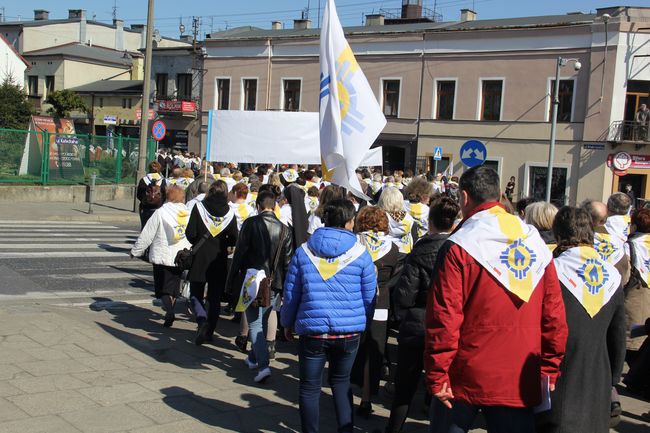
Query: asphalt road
(45, 259)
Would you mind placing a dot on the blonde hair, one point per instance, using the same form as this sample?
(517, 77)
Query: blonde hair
(391, 200)
(541, 215)
(188, 173)
(175, 194)
(274, 179)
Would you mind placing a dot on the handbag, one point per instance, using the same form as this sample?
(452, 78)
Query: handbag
(263, 298)
(185, 257)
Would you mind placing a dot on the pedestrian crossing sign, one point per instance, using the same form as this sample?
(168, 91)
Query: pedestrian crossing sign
(437, 154)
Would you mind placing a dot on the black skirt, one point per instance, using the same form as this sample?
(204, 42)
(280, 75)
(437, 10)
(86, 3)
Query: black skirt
(372, 348)
(166, 281)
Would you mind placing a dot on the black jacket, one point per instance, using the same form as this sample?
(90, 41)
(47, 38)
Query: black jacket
(410, 294)
(256, 246)
(211, 260)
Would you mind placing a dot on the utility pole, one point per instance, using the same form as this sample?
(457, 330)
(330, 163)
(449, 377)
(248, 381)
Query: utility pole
(114, 10)
(144, 118)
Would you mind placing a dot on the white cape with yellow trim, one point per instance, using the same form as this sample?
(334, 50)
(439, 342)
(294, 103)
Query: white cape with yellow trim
(609, 247)
(641, 245)
(590, 279)
(151, 177)
(242, 211)
(377, 244)
(215, 225)
(420, 213)
(400, 232)
(328, 267)
(513, 252)
(619, 227)
(175, 217)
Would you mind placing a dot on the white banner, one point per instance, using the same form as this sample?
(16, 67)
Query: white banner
(273, 137)
(374, 158)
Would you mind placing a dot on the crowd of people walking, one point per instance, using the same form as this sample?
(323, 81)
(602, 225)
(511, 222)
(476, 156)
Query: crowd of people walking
(523, 312)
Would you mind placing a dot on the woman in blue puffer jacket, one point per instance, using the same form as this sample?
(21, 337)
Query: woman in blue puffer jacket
(328, 294)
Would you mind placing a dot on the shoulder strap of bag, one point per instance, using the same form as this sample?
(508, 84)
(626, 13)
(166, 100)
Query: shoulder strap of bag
(199, 244)
(276, 259)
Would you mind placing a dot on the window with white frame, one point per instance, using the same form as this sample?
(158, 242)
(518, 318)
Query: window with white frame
(390, 96)
(445, 99)
(565, 97)
(491, 100)
(291, 89)
(537, 175)
(249, 94)
(223, 94)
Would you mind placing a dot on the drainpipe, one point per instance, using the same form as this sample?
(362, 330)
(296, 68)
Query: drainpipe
(269, 73)
(419, 121)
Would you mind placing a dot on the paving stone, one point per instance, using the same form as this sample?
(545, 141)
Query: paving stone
(187, 425)
(122, 393)
(170, 409)
(7, 389)
(46, 353)
(48, 383)
(46, 368)
(10, 412)
(46, 424)
(51, 403)
(187, 383)
(101, 363)
(107, 419)
(108, 378)
(15, 356)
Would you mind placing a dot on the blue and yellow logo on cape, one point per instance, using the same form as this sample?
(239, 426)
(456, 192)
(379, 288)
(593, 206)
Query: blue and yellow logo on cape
(518, 258)
(604, 247)
(594, 274)
(646, 263)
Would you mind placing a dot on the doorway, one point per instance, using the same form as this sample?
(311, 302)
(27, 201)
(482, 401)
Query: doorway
(638, 182)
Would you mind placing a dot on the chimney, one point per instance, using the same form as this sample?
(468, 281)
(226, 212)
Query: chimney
(276, 25)
(119, 34)
(301, 24)
(81, 15)
(467, 15)
(375, 20)
(76, 14)
(411, 9)
(41, 15)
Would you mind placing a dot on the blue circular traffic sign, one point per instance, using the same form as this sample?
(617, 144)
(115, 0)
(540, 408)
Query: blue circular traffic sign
(473, 153)
(158, 130)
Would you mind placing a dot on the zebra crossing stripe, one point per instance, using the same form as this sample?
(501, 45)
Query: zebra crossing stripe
(62, 246)
(61, 254)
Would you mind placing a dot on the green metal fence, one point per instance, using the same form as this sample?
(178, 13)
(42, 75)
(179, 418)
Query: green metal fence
(41, 157)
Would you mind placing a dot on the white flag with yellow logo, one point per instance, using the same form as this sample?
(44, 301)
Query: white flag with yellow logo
(350, 117)
(590, 279)
(513, 252)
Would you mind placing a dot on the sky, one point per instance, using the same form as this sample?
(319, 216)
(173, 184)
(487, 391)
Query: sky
(222, 14)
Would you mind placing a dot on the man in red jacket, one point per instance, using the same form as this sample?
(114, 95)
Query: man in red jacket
(495, 324)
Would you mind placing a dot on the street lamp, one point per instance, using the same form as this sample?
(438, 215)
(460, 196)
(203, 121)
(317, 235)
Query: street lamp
(556, 102)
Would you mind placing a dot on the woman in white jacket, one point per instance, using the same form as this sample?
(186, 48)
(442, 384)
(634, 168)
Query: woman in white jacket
(164, 235)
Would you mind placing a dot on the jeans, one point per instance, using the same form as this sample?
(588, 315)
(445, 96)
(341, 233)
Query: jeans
(499, 419)
(211, 303)
(340, 354)
(258, 322)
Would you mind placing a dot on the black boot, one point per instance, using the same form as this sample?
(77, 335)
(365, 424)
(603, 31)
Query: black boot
(271, 348)
(241, 341)
(365, 409)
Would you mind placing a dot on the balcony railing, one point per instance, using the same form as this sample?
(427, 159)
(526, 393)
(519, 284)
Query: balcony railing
(630, 131)
(396, 14)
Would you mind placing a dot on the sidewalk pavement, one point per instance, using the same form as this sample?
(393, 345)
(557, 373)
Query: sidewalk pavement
(119, 211)
(77, 368)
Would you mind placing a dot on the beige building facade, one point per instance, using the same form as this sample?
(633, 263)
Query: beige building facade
(443, 83)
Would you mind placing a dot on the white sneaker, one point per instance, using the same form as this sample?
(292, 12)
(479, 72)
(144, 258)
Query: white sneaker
(262, 375)
(249, 364)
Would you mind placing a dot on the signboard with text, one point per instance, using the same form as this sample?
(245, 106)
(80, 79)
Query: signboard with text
(64, 149)
(176, 106)
(624, 161)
